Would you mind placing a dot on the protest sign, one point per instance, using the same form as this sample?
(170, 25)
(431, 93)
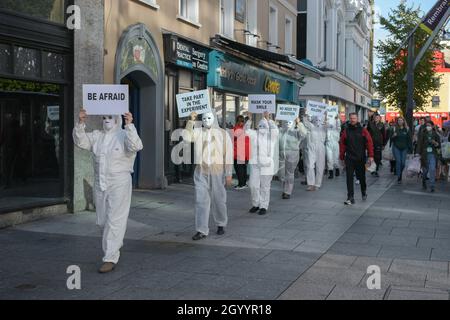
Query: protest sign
(197, 101)
(104, 99)
(333, 112)
(287, 112)
(53, 113)
(261, 103)
(316, 110)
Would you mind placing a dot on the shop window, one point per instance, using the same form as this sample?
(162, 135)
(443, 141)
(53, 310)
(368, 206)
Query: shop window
(27, 62)
(5, 58)
(54, 66)
(189, 10)
(51, 10)
(218, 106)
(230, 114)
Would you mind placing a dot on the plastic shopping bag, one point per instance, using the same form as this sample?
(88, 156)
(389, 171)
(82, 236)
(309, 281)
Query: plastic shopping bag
(372, 167)
(387, 154)
(445, 149)
(413, 166)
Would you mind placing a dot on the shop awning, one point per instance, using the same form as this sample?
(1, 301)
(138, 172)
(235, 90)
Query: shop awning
(306, 69)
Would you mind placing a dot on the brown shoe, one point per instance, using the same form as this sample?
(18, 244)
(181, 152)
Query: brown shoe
(107, 267)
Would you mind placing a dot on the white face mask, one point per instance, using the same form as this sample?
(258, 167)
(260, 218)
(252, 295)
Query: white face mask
(429, 129)
(290, 124)
(208, 120)
(108, 124)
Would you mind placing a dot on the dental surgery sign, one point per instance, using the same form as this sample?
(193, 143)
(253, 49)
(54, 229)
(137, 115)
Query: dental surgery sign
(197, 101)
(103, 99)
(260, 103)
(287, 112)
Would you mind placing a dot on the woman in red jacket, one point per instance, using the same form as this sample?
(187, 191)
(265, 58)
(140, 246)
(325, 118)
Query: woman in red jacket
(241, 152)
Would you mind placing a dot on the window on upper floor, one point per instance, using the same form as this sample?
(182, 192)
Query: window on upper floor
(302, 5)
(273, 28)
(436, 102)
(51, 10)
(189, 10)
(150, 2)
(288, 34)
(227, 11)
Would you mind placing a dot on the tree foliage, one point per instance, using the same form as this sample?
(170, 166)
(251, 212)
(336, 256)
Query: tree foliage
(392, 69)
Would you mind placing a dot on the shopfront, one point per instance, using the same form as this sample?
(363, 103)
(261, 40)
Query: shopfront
(186, 69)
(233, 79)
(36, 76)
(438, 118)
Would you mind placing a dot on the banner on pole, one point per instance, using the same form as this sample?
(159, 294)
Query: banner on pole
(434, 17)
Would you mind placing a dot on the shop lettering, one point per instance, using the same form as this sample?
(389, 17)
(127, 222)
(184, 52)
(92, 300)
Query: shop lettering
(92, 96)
(237, 76)
(272, 86)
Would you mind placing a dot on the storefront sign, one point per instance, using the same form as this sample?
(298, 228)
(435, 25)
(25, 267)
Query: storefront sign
(287, 112)
(197, 101)
(185, 54)
(272, 86)
(262, 103)
(230, 74)
(316, 110)
(102, 99)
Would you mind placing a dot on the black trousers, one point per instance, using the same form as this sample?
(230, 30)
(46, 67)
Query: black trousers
(241, 172)
(378, 154)
(358, 168)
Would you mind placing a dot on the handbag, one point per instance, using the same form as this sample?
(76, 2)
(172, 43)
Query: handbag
(387, 154)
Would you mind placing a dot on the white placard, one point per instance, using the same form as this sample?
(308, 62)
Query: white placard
(197, 101)
(53, 113)
(286, 112)
(333, 112)
(261, 103)
(105, 99)
(316, 110)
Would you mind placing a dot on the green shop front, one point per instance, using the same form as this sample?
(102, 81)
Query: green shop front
(233, 79)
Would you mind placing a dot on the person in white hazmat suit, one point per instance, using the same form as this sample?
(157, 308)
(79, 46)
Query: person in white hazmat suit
(291, 137)
(114, 151)
(263, 143)
(315, 151)
(332, 147)
(214, 165)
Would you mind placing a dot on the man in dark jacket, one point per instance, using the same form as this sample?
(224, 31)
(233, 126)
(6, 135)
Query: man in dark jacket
(355, 142)
(377, 131)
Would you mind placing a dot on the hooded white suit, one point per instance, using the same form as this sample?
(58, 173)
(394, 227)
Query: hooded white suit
(214, 159)
(315, 152)
(114, 155)
(332, 145)
(290, 140)
(262, 160)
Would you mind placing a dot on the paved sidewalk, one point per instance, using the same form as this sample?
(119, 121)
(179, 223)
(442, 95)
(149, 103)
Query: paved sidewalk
(309, 247)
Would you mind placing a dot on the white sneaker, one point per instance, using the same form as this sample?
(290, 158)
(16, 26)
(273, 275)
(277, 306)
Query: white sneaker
(358, 182)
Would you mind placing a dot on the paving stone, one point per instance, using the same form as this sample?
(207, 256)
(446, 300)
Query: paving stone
(415, 294)
(352, 293)
(402, 252)
(306, 290)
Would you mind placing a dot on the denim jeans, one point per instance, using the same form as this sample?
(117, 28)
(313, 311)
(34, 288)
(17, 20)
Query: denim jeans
(400, 160)
(430, 169)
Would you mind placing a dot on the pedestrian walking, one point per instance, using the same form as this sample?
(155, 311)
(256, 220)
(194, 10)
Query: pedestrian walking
(291, 137)
(428, 148)
(114, 151)
(212, 172)
(401, 144)
(356, 143)
(241, 152)
(377, 131)
(262, 161)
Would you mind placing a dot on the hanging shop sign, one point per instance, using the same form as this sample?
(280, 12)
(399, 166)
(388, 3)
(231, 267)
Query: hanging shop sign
(186, 54)
(230, 74)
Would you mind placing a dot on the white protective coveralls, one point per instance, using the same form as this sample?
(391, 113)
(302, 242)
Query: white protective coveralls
(214, 162)
(315, 151)
(332, 145)
(262, 161)
(114, 152)
(290, 140)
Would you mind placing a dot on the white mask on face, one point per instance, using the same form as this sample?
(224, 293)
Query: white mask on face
(208, 120)
(429, 129)
(108, 123)
(289, 124)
